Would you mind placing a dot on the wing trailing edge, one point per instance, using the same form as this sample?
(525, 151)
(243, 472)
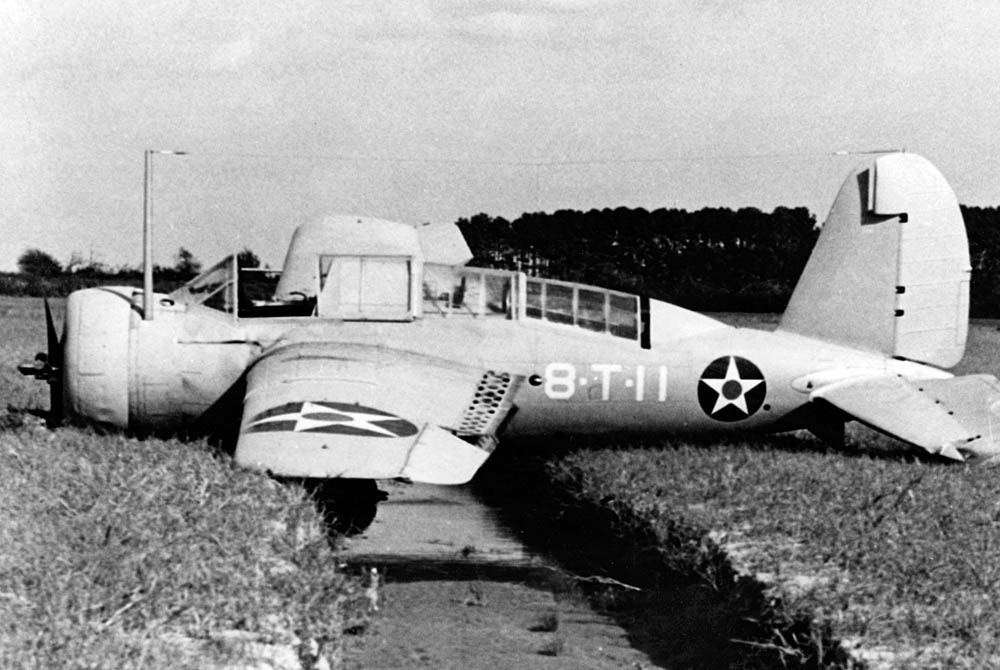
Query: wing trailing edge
(432, 455)
(957, 418)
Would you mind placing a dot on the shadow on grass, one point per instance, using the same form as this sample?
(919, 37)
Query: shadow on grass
(18, 417)
(862, 443)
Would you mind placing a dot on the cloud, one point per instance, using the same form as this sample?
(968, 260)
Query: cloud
(232, 55)
(516, 20)
(503, 25)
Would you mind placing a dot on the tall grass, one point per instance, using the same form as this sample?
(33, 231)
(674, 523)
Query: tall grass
(117, 552)
(110, 543)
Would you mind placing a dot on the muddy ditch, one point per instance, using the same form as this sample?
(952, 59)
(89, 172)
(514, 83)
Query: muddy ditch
(674, 591)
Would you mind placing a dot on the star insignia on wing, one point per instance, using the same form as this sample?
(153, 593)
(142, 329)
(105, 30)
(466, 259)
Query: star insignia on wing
(731, 388)
(327, 417)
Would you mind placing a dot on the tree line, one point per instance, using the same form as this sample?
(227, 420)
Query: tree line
(983, 227)
(41, 274)
(713, 259)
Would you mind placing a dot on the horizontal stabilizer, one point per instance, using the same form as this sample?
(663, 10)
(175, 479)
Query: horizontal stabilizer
(952, 417)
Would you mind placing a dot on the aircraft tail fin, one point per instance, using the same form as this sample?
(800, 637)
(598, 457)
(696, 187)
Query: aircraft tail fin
(890, 271)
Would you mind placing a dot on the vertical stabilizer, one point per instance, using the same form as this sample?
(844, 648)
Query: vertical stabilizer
(890, 271)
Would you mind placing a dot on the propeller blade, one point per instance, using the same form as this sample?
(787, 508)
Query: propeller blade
(55, 362)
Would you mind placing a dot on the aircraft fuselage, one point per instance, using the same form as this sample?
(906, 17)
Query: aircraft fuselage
(698, 374)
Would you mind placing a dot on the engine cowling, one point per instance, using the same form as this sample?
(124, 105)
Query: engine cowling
(96, 355)
(120, 370)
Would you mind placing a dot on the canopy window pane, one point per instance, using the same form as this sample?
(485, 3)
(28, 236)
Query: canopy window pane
(468, 291)
(213, 288)
(347, 287)
(358, 287)
(533, 299)
(497, 294)
(590, 310)
(385, 285)
(623, 318)
(559, 303)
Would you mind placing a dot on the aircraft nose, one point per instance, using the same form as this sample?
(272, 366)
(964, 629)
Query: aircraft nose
(96, 355)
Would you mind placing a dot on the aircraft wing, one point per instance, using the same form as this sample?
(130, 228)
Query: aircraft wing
(956, 417)
(326, 410)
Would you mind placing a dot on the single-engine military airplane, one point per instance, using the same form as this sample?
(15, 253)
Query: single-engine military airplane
(379, 354)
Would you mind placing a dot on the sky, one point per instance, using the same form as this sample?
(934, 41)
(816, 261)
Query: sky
(429, 110)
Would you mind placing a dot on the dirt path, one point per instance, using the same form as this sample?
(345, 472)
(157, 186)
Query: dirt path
(459, 590)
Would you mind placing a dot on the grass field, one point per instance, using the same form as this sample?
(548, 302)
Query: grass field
(113, 547)
(127, 553)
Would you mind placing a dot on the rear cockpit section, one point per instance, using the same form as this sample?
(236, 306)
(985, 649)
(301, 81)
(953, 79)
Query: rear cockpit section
(588, 307)
(465, 291)
(479, 292)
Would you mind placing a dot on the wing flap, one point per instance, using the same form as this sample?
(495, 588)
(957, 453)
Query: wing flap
(438, 457)
(431, 455)
(943, 416)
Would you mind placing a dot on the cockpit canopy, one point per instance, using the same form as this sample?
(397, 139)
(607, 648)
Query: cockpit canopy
(363, 269)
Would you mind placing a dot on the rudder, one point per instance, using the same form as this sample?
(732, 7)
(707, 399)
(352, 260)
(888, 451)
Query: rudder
(890, 271)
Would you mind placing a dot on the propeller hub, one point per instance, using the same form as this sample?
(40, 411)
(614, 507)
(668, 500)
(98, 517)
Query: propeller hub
(41, 369)
(48, 367)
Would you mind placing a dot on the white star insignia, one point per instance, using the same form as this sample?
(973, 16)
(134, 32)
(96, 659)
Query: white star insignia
(312, 416)
(732, 389)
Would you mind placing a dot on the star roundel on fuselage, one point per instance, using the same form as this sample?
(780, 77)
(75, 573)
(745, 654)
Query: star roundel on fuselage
(731, 389)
